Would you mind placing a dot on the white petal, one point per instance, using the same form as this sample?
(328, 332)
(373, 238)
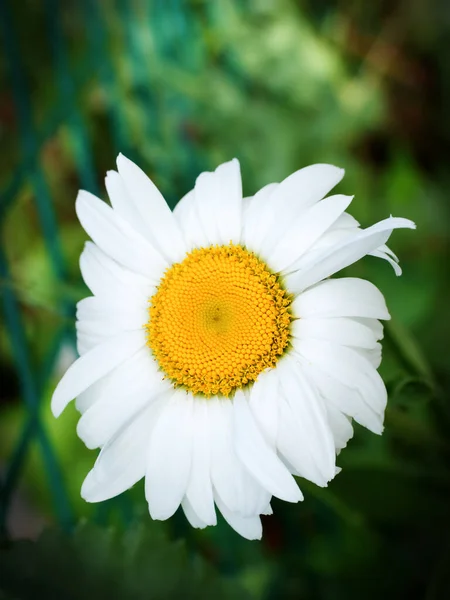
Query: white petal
(263, 403)
(117, 238)
(305, 230)
(121, 462)
(257, 456)
(98, 321)
(107, 315)
(123, 204)
(340, 425)
(218, 199)
(394, 263)
(342, 229)
(129, 387)
(87, 341)
(345, 399)
(340, 330)
(343, 254)
(156, 215)
(169, 457)
(228, 176)
(373, 355)
(251, 230)
(346, 221)
(87, 398)
(237, 488)
(188, 219)
(199, 491)
(373, 324)
(106, 278)
(101, 318)
(249, 527)
(345, 297)
(183, 208)
(336, 370)
(312, 452)
(191, 515)
(223, 459)
(291, 197)
(254, 498)
(245, 208)
(93, 365)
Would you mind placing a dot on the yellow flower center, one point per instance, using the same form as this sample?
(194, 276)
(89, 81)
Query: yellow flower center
(217, 320)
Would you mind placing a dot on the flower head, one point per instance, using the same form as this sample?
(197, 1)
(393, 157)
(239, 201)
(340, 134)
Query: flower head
(217, 358)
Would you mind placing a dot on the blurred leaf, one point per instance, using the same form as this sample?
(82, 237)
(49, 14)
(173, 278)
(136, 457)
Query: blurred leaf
(409, 350)
(391, 495)
(101, 564)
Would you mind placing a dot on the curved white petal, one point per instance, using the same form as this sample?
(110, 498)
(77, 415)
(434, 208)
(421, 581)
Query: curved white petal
(87, 341)
(106, 278)
(117, 238)
(169, 457)
(97, 331)
(256, 455)
(106, 316)
(131, 386)
(290, 198)
(193, 518)
(245, 208)
(121, 462)
(100, 318)
(263, 403)
(304, 231)
(331, 260)
(340, 425)
(93, 365)
(348, 366)
(346, 399)
(218, 202)
(183, 206)
(336, 370)
(156, 216)
(345, 297)
(373, 355)
(373, 324)
(223, 459)
(305, 438)
(343, 228)
(237, 488)
(385, 256)
(340, 330)
(87, 398)
(123, 203)
(199, 491)
(254, 497)
(257, 204)
(249, 527)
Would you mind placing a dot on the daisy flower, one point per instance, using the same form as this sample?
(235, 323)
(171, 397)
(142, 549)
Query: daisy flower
(218, 359)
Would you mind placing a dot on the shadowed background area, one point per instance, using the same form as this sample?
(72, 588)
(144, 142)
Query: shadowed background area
(180, 86)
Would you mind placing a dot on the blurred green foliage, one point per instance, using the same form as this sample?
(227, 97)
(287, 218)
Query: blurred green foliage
(101, 563)
(181, 86)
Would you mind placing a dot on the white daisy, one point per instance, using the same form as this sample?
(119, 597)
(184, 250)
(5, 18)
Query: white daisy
(217, 359)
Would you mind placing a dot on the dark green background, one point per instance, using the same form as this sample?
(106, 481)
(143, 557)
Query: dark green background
(180, 86)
